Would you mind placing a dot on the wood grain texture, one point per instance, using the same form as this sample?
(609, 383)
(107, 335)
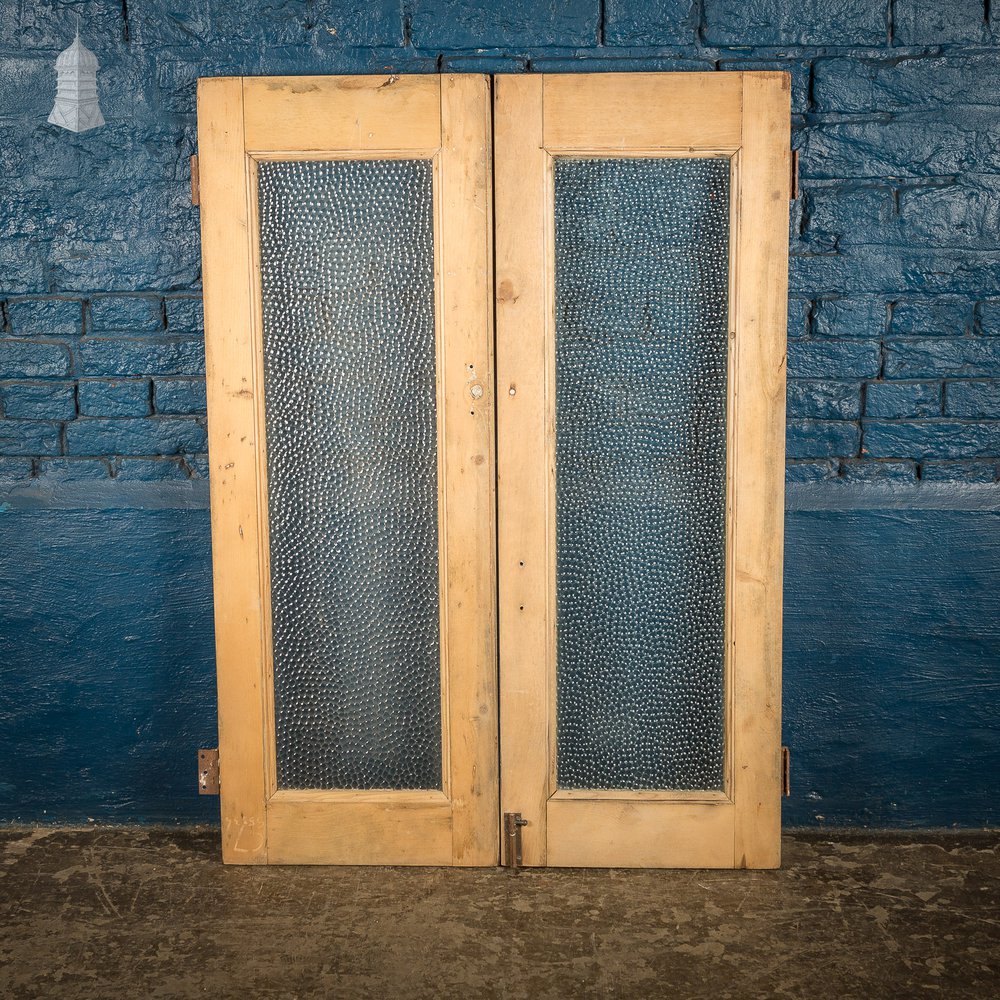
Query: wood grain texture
(232, 396)
(332, 113)
(619, 111)
(759, 449)
(569, 829)
(301, 831)
(466, 377)
(524, 492)
(602, 834)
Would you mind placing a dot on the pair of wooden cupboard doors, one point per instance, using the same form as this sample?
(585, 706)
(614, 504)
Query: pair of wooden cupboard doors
(496, 393)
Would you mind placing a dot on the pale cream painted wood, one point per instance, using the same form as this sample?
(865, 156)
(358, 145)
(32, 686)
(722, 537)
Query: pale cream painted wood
(446, 119)
(744, 117)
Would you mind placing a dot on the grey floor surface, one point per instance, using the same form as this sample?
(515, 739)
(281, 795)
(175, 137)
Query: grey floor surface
(127, 912)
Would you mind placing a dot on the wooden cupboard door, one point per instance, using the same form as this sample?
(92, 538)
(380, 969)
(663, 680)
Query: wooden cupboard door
(346, 232)
(641, 262)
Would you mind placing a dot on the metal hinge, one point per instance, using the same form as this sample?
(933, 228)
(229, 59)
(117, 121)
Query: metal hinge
(208, 772)
(786, 772)
(794, 179)
(512, 824)
(195, 181)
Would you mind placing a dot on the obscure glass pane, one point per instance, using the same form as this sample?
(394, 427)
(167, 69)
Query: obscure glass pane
(642, 275)
(347, 276)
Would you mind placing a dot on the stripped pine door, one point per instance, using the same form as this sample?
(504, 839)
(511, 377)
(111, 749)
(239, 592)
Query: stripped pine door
(346, 228)
(641, 259)
(625, 705)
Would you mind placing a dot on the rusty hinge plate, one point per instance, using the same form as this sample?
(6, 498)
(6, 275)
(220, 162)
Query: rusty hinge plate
(512, 824)
(195, 181)
(208, 772)
(795, 175)
(786, 772)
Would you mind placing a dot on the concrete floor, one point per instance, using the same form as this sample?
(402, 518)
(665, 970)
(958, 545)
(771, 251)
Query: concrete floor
(125, 912)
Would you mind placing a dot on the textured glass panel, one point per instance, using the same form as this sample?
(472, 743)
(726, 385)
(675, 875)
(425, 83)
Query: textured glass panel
(347, 275)
(642, 274)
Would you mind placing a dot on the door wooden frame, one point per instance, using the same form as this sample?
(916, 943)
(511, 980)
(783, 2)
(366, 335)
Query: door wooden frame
(446, 119)
(742, 116)
(745, 117)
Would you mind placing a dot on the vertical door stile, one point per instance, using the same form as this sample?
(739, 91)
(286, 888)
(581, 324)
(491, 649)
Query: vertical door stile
(470, 466)
(761, 316)
(230, 367)
(523, 487)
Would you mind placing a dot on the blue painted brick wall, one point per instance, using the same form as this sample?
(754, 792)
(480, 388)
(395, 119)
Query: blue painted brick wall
(103, 397)
(895, 242)
(894, 315)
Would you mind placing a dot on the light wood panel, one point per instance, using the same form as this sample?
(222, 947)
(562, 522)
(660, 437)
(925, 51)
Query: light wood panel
(744, 116)
(466, 275)
(331, 113)
(524, 545)
(603, 834)
(621, 111)
(759, 448)
(395, 830)
(232, 395)
(641, 795)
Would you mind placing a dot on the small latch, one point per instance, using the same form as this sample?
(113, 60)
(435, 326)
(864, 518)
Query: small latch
(195, 181)
(512, 824)
(786, 772)
(208, 772)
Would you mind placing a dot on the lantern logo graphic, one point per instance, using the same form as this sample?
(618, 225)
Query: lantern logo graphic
(76, 106)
